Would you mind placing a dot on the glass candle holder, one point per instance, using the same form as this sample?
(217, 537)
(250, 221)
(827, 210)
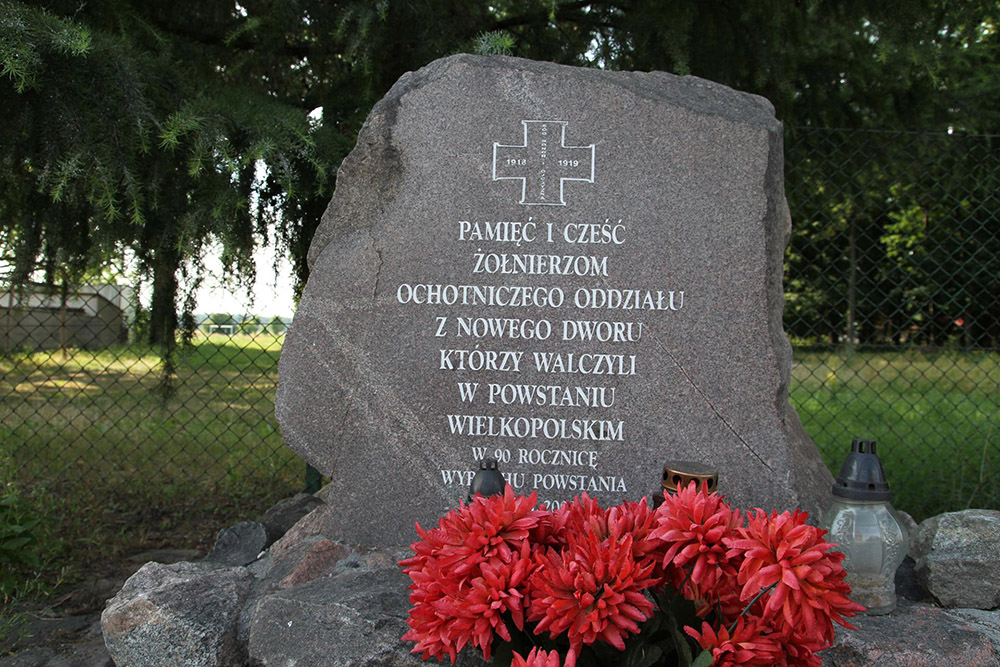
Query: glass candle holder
(866, 529)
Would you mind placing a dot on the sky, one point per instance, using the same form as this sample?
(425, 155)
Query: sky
(272, 292)
(271, 295)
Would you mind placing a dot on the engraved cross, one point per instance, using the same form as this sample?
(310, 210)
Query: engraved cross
(543, 163)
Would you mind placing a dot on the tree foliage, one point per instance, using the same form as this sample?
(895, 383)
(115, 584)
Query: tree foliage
(154, 129)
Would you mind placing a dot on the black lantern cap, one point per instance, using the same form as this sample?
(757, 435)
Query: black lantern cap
(862, 476)
(488, 481)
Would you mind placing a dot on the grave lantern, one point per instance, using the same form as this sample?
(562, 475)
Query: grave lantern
(487, 481)
(683, 473)
(865, 528)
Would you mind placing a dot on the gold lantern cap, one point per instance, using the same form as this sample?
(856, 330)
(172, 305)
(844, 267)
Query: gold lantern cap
(685, 472)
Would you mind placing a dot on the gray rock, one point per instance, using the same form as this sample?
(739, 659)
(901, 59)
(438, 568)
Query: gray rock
(239, 544)
(915, 635)
(310, 560)
(181, 614)
(665, 202)
(958, 558)
(987, 622)
(82, 654)
(165, 556)
(308, 528)
(352, 618)
(286, 513)
(907, 522)
(41, 656)
(33, 629)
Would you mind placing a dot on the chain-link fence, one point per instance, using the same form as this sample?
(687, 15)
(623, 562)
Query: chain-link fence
(88, 412)
(893, 304)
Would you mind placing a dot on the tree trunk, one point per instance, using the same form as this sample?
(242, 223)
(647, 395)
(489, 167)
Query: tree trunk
(852, 287)
(63, 316)
(163, 309)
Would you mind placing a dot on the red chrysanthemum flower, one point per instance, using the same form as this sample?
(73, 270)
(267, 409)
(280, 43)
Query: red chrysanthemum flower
(800, 652)
(434, 625)
(500, 524)
(536, 659)
(591, 590)
(723, 598)
(749, 645)
(694, 524)
(468, 572)
(781, 550)
(489, 597)
(637, 520)
(488, 527)
(580, 516)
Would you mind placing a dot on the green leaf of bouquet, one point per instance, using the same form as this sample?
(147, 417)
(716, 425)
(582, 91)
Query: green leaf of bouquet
(503, 654)
(653, 625)
(642, 655)
(704, 659)
(680, 641)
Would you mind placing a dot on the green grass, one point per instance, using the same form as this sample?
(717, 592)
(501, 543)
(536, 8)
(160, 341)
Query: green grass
(935, 416)
(96, 413)
(116, 468)
(87, 443)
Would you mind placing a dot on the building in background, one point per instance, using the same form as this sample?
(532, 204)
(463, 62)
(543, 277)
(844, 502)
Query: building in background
(42, 317)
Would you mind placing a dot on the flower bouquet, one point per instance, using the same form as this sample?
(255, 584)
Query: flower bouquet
(693, 582)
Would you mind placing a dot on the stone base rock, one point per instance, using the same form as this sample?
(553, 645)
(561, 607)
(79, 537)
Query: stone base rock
(85, 654)
(240, 544)
(958, 558)
(310, 600)
(353, 616)
(286, 513)
(307, 600)
(918, 635)
(181, 614)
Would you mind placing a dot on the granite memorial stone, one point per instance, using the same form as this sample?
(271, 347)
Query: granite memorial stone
(575, 272)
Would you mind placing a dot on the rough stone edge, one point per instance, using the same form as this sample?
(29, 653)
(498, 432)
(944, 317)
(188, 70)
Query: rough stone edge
(230, 647)
(985, 622)
(374, 151)
(922, 540)
(809, 492)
